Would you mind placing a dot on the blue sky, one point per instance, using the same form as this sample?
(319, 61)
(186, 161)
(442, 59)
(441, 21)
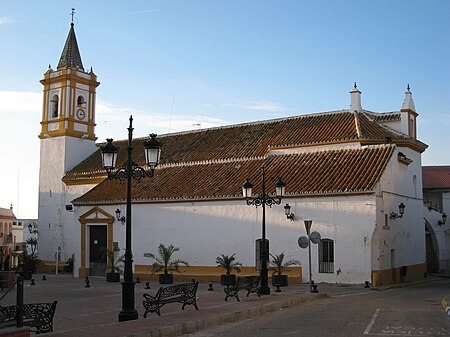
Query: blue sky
(177, 64)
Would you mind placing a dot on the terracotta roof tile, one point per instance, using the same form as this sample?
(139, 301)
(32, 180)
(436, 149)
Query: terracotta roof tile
(251, 140)
(436, 177)
(324, 172)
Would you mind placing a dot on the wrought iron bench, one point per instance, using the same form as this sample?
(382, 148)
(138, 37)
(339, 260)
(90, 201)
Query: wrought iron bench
(40, 315)
(249, 283)
(182, 293)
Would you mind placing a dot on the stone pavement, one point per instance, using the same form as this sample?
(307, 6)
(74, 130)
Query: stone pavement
(93, 311)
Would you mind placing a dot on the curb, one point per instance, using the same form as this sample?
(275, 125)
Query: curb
(210, 322)
(413, 283)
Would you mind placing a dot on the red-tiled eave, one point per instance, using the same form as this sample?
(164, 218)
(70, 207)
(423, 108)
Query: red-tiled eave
(436, 177)
(324, 172)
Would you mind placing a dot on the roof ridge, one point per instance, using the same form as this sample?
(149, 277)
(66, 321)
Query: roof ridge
(260, 122)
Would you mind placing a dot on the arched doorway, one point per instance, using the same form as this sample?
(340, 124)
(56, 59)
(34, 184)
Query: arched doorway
(431, 249)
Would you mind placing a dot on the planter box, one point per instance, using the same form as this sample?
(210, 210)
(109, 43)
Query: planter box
(227, 279)
(165, 278)
(112, 277)
(281, 280)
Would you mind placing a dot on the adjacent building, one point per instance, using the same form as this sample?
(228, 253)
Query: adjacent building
(436, 197)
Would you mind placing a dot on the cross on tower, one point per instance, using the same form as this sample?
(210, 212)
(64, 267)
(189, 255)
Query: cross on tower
(72, 13)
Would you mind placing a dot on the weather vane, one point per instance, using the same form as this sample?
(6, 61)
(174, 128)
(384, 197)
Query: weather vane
(72, 13)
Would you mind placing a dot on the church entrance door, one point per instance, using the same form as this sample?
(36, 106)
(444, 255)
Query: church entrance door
(97, 250)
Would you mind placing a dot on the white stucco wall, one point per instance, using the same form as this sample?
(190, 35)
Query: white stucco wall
(401, 241)
(204, 230)
(58, 155)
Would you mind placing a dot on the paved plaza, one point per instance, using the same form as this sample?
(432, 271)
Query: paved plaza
(93, 311)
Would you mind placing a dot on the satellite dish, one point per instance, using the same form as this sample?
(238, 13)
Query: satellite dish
(303, 241)
(315, 237)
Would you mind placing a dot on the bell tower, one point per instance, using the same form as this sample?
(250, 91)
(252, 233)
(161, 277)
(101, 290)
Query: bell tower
(69, 96)
(67, 137)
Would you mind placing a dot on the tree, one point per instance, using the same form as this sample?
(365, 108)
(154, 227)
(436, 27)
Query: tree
(32, 244)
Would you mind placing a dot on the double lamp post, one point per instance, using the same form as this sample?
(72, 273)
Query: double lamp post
(130, 170)
(263, 199)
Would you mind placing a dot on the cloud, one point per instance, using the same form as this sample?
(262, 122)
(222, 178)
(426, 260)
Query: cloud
(258, 106)
(20, 101)
(4, 20)
(113, 119)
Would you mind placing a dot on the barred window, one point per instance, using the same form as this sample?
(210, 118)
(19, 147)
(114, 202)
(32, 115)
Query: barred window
(326, 256)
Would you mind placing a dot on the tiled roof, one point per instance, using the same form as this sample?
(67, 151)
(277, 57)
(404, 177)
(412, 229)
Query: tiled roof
(436, 177)
(70, 57)
(251, 140)
(384, 117)
(6, 213)
(322, 172)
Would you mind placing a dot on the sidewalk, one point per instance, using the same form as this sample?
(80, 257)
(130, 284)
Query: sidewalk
(93, 311)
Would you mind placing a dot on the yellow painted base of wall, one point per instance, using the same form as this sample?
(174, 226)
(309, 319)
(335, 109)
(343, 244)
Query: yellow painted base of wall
(211, 274)
(392, 276)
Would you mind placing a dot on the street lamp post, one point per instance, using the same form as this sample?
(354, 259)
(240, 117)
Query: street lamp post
(129, 171)
(263, 199)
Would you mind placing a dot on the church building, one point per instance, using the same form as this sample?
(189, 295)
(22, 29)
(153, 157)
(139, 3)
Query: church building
(355, 173)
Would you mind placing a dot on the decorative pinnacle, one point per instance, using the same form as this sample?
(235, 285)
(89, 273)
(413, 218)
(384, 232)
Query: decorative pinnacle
(355, 86)
(407, 88)
(72, 14)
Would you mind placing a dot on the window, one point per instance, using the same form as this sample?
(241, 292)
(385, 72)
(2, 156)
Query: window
(326, 256)
(54, 106)
(81, 101)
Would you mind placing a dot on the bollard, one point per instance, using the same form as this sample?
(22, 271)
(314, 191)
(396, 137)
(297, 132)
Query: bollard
(367, 284)
(278, 290)
(210, 287)
(44, 278)
(87, 283)
(314, 288)
(137, 280)
(147, 285)
(32, 282)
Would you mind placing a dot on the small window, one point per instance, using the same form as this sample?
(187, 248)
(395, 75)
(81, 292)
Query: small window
(54, 106)
(326, 256)
(81, 102)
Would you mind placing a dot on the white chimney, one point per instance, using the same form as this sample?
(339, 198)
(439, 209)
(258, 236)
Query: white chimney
(356, 99)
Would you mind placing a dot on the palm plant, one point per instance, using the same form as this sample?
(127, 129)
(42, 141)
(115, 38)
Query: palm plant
(278, 265)
(115, 261)
(228, 263)
(163, 260)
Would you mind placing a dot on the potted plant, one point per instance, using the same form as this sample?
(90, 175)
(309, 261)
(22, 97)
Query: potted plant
(29, 258)
(164, 263)
(278, 265)
(114, 264)
(228, 263)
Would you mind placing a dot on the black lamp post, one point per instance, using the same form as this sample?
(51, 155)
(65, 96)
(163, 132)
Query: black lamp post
(263, 199)
(128, 171)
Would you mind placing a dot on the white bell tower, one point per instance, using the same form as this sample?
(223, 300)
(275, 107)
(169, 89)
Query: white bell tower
(67, 135)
